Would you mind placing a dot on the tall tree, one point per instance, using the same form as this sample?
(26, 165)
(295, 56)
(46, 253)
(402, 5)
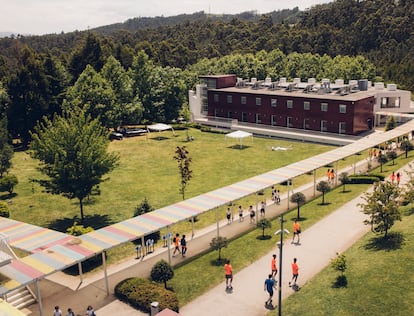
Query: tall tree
(73, 152)
(129, 105)
(6, 150)
(382, 206)
(95, 95)
(90, 53)
(184, 161)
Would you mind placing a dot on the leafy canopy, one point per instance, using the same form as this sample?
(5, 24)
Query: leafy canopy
(73, 152)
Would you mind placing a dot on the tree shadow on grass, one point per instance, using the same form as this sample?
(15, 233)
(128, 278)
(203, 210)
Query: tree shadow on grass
(7, 196)
(340, 282)
(218, 262)
(393, 241)
(409, 212)
(265, 237)
(95, 221)
(324, 204)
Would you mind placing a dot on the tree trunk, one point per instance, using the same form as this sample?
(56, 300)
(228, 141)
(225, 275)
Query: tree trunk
(323, 198)
(298, 212)
(81, 208)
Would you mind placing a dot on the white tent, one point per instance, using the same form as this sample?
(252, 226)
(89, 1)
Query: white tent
(159, 127)
(240, 135)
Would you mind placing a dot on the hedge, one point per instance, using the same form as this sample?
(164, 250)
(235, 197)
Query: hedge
(140, 293)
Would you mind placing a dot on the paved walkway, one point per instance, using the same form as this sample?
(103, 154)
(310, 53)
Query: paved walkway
(336, 232)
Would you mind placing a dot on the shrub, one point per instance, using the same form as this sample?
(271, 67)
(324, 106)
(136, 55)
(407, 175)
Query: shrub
(140, 293)
(363, 179)
(7, 183)
(4, 209)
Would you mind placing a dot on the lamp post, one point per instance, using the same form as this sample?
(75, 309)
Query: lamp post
(280, 232)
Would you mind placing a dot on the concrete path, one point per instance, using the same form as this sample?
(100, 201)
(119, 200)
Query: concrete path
(318, 244)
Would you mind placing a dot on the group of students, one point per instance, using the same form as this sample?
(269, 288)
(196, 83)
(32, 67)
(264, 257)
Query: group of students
(395, 177)
(271, 282)
(58, 312)
(252, 213)
(275, 195)
(180, 242)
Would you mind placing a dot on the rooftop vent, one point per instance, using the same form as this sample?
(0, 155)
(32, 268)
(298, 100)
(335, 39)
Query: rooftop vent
(311, 80)
(291, 87)
(339, 82)
(391, 87)
(363, 84)
(296, 80)
(282, 80)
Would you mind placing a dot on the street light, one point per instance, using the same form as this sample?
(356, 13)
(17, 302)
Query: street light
(280, 232)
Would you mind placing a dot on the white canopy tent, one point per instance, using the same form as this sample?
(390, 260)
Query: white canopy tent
(239, 135)
(159, 127)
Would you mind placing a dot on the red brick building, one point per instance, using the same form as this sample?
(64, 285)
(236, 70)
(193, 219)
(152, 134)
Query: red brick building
(326, 107)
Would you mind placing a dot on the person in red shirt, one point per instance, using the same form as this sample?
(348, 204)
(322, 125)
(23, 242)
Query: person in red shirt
(296, 231)
(273, 267)
(228, 270)
(177, 243)
(295, 273)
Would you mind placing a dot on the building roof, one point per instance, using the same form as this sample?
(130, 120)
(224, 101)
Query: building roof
(299, 93)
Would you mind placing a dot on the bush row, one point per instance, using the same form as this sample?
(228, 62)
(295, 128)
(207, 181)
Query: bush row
(140, 293)
(369, 179)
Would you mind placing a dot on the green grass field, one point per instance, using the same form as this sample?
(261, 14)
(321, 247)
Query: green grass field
(147, 169)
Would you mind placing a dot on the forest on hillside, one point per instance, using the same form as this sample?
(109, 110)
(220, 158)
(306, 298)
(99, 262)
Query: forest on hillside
(140, 71)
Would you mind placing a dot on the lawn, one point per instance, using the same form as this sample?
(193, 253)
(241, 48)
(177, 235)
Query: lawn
(147, 170)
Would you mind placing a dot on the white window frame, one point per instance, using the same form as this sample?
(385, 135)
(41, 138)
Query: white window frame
(258, 101)
(342, 128)
(306, 105)
(324, 107)
(289, 104)
(273, 103)
(342, 108)
(229, 98)
(243, 99)
(324, 126)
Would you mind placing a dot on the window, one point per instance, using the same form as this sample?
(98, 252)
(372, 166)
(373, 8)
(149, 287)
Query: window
(306, 105)
(384, 102)
(342, 108)
(244, 117)
(258, 101)
(273, 103)
(243, 100)
(289, 104)
(342, 128)
(216, 112)
(324, 107)
(216, 97)
(324, 126)
(229, 99)
(273, 120)
(258, 118)
(229, 114)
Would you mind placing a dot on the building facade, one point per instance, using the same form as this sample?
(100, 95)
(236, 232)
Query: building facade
(325, 107)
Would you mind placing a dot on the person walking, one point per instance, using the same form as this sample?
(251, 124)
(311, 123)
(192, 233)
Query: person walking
(228, 270)
(263, 208)
(57, 311)
(273, 194)
(183, 246)
(398, 178)
(269, 284)
(252, 214)
(176, 242)
(296, 231)
(277, 196)
(295, 273)
(273, 267)
(240, 213)
(70, 312)
(392, 177)
(90, 311)
(228, 216)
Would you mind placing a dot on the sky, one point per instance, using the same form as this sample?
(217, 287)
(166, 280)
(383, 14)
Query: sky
(38, 17)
